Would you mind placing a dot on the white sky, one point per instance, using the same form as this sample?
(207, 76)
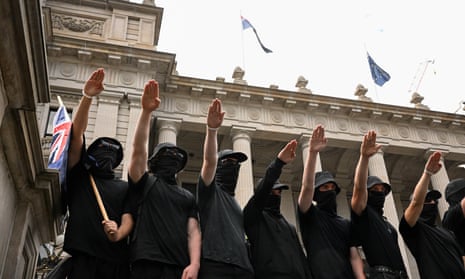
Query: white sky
(326, 42)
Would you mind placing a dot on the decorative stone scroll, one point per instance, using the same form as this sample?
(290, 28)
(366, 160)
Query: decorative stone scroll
(76, 24)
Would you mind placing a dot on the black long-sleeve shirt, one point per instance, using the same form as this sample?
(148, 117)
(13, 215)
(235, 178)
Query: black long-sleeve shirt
(275, 247)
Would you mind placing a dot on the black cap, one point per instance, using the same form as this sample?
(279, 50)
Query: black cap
(433, 195)
(277, 185)
(161, 146)
(374, 180)
(323, 177)
(453, 187)
(228, 153)
(111, 142)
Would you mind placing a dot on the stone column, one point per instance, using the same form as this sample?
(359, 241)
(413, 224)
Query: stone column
(134, 112)
(168, 130)
(377, 167)
(106, 117)
(242, 142)
(304, 138)
(439, 182)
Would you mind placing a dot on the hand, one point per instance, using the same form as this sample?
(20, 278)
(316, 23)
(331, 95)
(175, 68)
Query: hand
(215, 115)
(94, 85)
(433, 165)
(191, 271)
(369, 145)
(287, 154)
(151, 96)
(111, 230)
(318, 141)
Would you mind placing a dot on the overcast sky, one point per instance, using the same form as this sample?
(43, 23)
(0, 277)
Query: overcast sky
(326, 42)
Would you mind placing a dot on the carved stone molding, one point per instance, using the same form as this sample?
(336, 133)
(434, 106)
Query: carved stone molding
(77, 24)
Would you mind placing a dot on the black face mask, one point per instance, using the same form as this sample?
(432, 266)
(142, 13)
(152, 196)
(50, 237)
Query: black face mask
(273, 204)
(429, 213)
(165, 166)
(376, 200)
(103, 160)
(226, 177)
(326, 201)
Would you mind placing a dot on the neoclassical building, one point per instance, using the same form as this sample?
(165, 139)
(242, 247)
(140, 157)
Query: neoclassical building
(122, 37)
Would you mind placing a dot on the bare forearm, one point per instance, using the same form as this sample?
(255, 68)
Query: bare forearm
(209, 156)
(360, 194)
(139, 156)
(308, 181)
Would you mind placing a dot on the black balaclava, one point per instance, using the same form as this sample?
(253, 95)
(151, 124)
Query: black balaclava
(429, 213)
(326, 200)
(227, 171)
(376, 201)
(273, 204)
(226, 177)
(105, 154)
(167, 160)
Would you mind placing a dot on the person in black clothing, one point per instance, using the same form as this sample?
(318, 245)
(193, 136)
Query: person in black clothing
(377, 236)
(98, 251)
(166, 240)
(224, 251)
(435, 249)
(454, 217)
(275, 247)
(326, 236)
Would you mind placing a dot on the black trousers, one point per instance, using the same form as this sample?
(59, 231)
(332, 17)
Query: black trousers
(214, 270)
(382, 272)
(84, 266)
(145, 269)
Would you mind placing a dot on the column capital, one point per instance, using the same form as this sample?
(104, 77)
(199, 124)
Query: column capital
(429, 151)
(169, 124)
(242, 132)
(303, 140)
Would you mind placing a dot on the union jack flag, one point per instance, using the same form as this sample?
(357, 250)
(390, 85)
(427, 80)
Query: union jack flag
(58, 158)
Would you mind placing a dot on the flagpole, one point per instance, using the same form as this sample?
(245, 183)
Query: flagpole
(242, 42)
(60, 102)
(99, 199)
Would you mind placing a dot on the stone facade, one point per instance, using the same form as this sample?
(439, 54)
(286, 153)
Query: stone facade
(29, 192)
(122, 37)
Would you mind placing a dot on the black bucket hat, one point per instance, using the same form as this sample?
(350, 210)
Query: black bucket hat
(374, 180)
(280, 186)
(454, 187)
(162, 146)
(228, 153)
(323, 177)
(108, 142)
(433, 195)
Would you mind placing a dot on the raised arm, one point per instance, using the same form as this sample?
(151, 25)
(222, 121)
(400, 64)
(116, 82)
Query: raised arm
(194, 245)
(368, 148)
(214, 120)
(317, 142)
(92, 87)
(150, 101)
(413, 211)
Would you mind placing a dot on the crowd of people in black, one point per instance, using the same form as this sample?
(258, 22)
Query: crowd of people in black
(157, 229)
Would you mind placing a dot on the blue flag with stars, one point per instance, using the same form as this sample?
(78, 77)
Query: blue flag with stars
(379, 75)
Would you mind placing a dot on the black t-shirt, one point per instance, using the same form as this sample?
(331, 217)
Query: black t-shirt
(161, 233)
(223, 235)
(327, 241)
(435, 249)
(378, 238)
(455, 221)
(276, 250)
(84, 229)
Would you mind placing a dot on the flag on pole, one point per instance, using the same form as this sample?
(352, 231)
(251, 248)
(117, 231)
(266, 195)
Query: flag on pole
(245, 25)
(58, 158)
(379, 75)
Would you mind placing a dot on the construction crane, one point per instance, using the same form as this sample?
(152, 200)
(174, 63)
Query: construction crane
(422, 66)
